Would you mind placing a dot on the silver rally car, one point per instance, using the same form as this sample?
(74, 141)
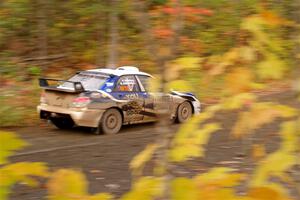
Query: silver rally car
(106, 99)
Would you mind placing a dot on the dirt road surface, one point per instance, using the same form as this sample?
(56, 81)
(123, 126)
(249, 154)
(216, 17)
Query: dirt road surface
(105, 159)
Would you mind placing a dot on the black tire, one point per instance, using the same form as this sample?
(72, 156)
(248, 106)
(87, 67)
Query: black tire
(111, 122)
(62, 123)
(184, 112)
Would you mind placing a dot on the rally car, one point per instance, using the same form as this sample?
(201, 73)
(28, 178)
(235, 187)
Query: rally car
(105, 99)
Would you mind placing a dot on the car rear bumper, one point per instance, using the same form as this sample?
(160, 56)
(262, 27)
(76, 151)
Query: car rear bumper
(81, 117)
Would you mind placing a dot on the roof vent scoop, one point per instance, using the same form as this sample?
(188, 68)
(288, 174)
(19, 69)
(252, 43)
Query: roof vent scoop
(128, 68)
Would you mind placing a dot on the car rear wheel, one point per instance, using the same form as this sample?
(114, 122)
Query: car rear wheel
(184, 112)
(62, 123)
(111, 122)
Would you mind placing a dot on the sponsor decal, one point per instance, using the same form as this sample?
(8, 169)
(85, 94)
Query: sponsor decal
(129, 82)
(109, 84)
(132, 108)
(132, 96)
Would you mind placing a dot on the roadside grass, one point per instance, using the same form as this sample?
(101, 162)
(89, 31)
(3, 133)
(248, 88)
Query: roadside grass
(18, 102)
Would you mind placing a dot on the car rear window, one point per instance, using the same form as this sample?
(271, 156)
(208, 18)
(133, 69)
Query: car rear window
(89, 81)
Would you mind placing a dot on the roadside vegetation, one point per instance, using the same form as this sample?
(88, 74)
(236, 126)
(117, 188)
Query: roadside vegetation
(224, 51)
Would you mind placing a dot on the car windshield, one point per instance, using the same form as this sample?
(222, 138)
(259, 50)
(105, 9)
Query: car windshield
(90, 81)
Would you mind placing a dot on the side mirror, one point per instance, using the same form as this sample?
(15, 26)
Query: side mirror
(43, 82)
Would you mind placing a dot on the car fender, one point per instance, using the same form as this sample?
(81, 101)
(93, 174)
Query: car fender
(191, 98)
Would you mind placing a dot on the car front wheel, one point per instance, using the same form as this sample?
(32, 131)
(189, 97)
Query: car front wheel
(184, 112)
(111, 122)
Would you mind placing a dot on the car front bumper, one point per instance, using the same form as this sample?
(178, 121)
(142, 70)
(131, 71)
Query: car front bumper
(80, 116)
(197, 107)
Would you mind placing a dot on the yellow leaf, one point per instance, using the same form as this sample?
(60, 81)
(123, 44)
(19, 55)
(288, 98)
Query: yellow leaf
(146, 188)
(228, 59)
(219, 177)
(219, 183)
(266, 193)
(247, 54)
(253, 23)
(273, 165)
(273, 19)
(288, 133)
(188, 62)
(189, 141)
(22, 172)
(184, 188)
(285, 111)
(154, 84)
(179, 85)
(271, 68)
(237, 101)
(258, 115)
(239, 80)
(67, 185)
(277, 163)
(101, 196)
(139, 160)
(175, 68)
(258, 151)
(9, 143)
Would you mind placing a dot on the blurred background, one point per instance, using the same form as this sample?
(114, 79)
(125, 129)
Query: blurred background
(199, 41)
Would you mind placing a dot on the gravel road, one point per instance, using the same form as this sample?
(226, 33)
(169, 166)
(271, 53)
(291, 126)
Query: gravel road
(105, 159)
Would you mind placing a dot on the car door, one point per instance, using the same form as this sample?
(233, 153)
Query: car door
(127, 88)
(149, 98)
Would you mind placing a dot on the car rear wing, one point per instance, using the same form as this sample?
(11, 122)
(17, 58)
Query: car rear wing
(58, 85)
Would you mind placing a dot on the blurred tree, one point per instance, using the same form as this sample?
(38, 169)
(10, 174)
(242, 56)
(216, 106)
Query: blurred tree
(112, 61)
(42, 31)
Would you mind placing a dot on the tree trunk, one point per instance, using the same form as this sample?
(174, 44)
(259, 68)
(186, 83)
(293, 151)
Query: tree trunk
(296, 18)
(296, 79)
(100, 58)
(166, 134)
(42, 31)
(114, 35)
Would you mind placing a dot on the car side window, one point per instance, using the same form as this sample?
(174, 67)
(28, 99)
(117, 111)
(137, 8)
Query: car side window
(145, 81)
(127, 84)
